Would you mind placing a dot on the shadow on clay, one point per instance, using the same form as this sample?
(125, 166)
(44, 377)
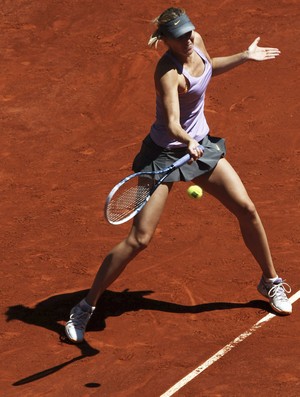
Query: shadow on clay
(50, 312)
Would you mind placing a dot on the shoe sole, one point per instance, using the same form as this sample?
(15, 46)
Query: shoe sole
(284, 313)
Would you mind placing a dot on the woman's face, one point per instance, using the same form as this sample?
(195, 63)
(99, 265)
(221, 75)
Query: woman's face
(183, 45)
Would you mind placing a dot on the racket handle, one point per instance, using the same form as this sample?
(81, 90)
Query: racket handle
(185, 158)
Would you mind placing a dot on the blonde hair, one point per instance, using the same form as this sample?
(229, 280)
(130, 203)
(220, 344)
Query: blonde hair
(167, 16)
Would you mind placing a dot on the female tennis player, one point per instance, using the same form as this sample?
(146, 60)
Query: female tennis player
(181, 79)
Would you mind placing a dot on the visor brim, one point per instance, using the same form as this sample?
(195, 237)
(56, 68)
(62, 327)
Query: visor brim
(177, 27)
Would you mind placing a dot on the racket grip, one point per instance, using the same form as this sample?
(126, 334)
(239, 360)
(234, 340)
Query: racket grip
(185, 158)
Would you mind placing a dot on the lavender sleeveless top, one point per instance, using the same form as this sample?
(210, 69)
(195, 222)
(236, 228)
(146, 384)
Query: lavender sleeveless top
(192, 118)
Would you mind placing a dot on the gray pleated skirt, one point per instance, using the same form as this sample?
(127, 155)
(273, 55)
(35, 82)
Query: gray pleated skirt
(152, 157)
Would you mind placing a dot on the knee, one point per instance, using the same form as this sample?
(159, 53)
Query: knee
(247, 211)
(139, 240)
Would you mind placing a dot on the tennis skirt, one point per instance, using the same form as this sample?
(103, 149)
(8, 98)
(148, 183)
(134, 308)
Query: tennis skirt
(152, 157)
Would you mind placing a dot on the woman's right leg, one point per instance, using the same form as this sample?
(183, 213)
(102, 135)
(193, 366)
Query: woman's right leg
(142, 230)
(141, 233)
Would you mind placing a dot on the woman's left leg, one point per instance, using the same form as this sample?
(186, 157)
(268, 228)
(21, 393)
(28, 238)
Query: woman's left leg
(224, 184)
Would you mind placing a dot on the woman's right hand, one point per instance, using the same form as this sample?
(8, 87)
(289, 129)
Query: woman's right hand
(194, 150)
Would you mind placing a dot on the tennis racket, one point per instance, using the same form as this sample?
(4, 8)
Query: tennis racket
(132, 193)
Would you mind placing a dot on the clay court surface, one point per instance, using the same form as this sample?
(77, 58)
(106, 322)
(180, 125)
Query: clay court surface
(77, 98)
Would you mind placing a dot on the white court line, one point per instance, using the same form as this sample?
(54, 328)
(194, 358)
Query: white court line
(223, 351)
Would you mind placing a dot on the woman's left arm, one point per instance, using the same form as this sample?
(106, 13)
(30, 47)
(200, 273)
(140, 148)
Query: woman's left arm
(253, 53)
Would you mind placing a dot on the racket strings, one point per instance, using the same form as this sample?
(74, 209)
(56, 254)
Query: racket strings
(128, 198)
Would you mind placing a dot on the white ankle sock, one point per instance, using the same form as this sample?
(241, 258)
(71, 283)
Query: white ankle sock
(85, 306)
(270, 280)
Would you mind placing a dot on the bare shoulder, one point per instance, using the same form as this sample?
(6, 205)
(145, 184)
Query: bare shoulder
(165, 66)
(166, 75)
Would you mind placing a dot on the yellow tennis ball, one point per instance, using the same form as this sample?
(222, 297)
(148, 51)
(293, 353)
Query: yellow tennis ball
(195, 192)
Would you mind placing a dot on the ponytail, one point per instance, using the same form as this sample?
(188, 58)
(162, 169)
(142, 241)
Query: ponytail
(166, 16)
(154, 39)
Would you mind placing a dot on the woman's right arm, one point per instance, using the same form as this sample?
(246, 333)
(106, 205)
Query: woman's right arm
(166, 83)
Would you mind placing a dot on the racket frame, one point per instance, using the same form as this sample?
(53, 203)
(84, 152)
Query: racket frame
(166, 171)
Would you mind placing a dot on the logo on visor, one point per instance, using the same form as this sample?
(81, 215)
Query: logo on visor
(176, 23)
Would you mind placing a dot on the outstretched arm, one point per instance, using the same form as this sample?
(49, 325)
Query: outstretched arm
(253, 53)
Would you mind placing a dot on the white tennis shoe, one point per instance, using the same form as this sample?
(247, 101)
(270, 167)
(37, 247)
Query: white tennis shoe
(276, 292)
(79, 317)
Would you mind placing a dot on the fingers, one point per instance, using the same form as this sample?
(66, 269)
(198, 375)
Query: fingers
(271, 53)
(196, 152)
(262, 53)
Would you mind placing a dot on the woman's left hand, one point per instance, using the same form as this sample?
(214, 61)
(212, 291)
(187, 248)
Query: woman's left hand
(256, 53)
